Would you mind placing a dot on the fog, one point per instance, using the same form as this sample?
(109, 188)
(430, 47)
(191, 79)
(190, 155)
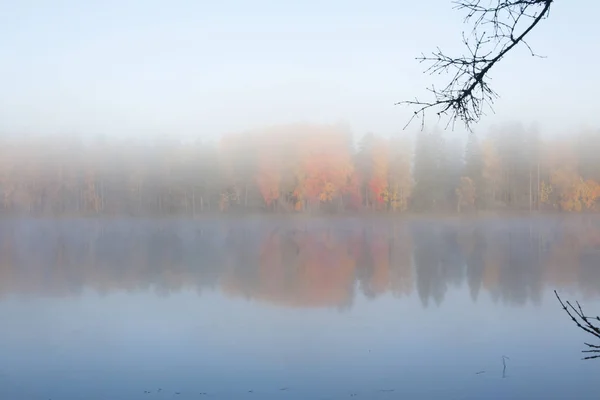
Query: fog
(189, 69)
(278, 308)
(300, 169)
(224, 199)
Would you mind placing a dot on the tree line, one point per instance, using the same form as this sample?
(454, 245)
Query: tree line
(300, 168)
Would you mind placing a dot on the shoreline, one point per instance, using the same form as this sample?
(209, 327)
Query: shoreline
(258, 216)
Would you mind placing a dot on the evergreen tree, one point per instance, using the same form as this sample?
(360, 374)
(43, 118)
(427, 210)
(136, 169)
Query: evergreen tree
(474, 169)
(428, 193)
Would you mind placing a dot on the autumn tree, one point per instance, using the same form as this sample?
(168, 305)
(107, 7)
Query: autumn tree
(270, 155)
(239, 163)
(586, 146)
(8, 166)
(465, 193)
(474, 168)
(452, 168)
(561, 179)
(378, 182)
(428, 191)
(205, 177)
(491, 170)
(327, 163)
(299, 168)
(513, 151)
(363, 162)
(400, 181)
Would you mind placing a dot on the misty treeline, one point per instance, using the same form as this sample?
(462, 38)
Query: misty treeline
(299, 169)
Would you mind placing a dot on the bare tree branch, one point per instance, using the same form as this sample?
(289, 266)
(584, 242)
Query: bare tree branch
(498, 27)
(585, 323)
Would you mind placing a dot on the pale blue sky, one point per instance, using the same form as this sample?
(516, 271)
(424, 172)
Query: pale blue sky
(204, 68)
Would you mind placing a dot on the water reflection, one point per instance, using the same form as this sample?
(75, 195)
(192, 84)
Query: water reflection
(312, 264)
(372, 309)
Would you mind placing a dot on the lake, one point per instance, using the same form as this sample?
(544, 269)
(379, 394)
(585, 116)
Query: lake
(297, 308)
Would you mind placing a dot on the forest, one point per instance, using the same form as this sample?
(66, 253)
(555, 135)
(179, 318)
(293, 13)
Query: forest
(300, 168)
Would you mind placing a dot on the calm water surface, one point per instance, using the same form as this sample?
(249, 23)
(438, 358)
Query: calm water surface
(320, 309)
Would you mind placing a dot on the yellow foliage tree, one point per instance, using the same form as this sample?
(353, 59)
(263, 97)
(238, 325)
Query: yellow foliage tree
(492, 167)
(399, 178)
(589, 192)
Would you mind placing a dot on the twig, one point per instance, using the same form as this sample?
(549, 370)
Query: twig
(468, 92)
(504, 358)
(583, 322)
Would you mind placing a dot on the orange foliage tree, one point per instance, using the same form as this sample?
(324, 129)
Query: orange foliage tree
(325, 165)
(269, 169)
(378, 184)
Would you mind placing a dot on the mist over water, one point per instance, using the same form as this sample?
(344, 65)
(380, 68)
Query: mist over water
(218, 200)
(296, 308)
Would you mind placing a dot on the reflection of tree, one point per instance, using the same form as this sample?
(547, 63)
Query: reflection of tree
(589, 257)
(439, 261)
(66, 258)
(474, 254)
(313, 265)
(519, 279)
(365, 270)
(297, 268)
(428, 264)
(7, 261)
(380, 253)
(452, 257)
(400, 248)
(567, 245)
(242, 261)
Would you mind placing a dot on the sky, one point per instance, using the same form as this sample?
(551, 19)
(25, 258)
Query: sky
(202, 69)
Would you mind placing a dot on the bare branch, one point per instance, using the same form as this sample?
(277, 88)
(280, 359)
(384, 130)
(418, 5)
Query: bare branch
(497, 29)
(583, 322)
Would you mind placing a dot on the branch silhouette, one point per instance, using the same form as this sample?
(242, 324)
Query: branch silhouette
(497, 29)
(584, 322)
